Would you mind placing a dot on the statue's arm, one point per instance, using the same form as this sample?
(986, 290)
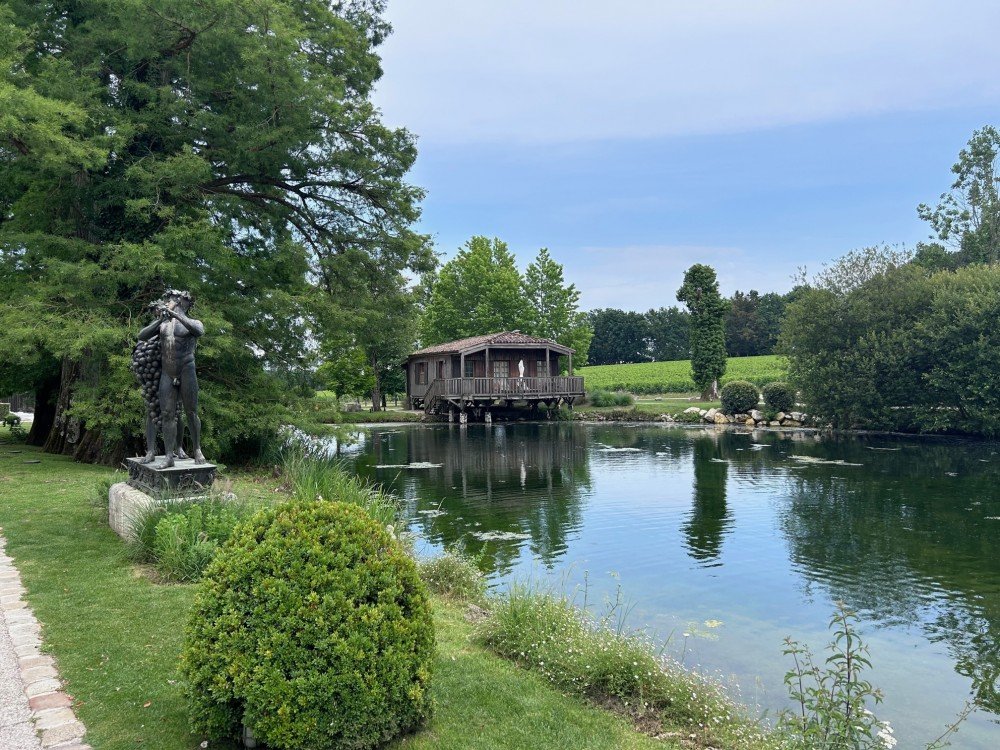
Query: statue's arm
(194, 326)
(150, 331)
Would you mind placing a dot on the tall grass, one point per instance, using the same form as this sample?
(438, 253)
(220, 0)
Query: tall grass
(547, 632)
(312, 474)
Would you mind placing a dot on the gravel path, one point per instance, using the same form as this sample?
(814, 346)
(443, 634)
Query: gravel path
(35, 713)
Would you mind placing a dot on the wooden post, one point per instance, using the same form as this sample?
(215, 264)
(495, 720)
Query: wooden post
(461, 371)
(488, 374)
(571, 364)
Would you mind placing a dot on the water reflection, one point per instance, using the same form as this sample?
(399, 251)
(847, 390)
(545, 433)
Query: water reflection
(760, 530)
(710, 520)
(490, 489)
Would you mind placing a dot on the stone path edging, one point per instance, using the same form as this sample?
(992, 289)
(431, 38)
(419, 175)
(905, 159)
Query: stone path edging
(35, 711)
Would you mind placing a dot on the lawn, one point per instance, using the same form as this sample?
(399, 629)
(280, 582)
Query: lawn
(117, 635)
(675, 377)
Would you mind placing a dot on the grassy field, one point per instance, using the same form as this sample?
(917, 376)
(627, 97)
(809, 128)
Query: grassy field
(675, 377)
(117, 635)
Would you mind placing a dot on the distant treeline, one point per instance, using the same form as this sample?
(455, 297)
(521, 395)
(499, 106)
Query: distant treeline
(753, 323)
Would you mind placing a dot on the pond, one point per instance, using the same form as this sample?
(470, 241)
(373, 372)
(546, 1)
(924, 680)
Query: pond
(727, 541)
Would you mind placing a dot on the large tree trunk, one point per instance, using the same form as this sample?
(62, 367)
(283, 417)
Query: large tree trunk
(68, 435)
(712, 392)
(45, 411)
(65, 432)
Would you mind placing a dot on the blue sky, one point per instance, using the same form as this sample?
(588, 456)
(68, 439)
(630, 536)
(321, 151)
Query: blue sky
(636, 139)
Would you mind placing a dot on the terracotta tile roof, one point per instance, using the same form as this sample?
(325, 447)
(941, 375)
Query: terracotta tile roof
(473, 342)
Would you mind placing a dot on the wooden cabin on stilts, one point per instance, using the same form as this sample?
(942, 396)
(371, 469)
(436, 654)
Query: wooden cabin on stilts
(482, 374)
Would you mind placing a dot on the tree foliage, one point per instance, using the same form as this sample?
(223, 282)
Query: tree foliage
(668, 334)
(968, 216)
(476, 292)
(553, 307)
(700, 292)
(619, 336)
(481, 291)
(226, 147)
(753, 323)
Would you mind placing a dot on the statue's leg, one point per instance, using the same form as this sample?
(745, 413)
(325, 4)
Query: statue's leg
(168, 406)
(180, 437)
(150, 440)
(189, 396)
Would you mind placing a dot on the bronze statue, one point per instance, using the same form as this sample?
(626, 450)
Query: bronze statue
(169, 372)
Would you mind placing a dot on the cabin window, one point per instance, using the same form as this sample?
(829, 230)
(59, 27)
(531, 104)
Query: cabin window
(501, 368)
(440, 370)
(470, 368)
(542, 368)
(421, 373)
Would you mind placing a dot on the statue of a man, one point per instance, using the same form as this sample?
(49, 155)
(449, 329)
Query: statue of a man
(178, 336)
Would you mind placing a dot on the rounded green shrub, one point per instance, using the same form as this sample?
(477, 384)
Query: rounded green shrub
(312, 628)
(739, 397)
(779, 396)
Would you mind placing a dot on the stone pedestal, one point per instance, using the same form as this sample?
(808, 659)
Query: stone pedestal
(125, 505)
(185, 477)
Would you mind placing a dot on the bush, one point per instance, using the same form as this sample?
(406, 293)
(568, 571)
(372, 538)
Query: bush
(312, 628)
(454, 574)
(180, 537)
(739, 397)
(779, 396)
(600, 398)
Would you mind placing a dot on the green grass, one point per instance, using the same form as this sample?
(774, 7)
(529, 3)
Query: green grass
(669, 377)
(117, 635)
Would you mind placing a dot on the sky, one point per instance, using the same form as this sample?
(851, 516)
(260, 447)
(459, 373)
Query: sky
(635, 138)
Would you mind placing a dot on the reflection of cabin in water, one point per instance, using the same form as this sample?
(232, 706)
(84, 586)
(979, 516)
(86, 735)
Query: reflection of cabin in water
(495, 370)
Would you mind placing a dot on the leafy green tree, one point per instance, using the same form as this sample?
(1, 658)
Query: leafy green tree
(668, 334)
(383, 314)
(228, 148)
(347, 373)
(553, 306)
(478, 291)
(849, 339)
(957, 348)
(619, 336)
(968, 217)
(700, 292)
(753, 323)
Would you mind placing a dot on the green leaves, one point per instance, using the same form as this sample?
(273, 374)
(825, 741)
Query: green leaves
(700, 293)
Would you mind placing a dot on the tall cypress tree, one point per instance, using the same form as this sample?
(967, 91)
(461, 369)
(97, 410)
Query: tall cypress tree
(700, 292)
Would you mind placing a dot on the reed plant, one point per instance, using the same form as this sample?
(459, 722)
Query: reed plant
(312, 474)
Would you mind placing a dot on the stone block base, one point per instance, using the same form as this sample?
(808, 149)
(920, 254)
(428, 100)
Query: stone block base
(125, 504)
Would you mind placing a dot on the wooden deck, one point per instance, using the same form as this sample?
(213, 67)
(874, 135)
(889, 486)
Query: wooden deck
(484, 391)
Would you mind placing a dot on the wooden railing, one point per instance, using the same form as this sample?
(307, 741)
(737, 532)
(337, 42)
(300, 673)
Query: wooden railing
(556, 385)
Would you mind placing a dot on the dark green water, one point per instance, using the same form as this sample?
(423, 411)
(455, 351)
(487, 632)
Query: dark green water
(728, 542)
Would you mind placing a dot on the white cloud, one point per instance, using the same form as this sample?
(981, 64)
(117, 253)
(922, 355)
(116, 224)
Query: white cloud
(640, 277)
(560, 70)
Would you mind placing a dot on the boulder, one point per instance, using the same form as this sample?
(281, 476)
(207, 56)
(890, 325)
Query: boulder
(756, 415)
(790, 423)
(781, 416)
(692, 410)
(774, 423)
(720, 418)
(749, 422)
